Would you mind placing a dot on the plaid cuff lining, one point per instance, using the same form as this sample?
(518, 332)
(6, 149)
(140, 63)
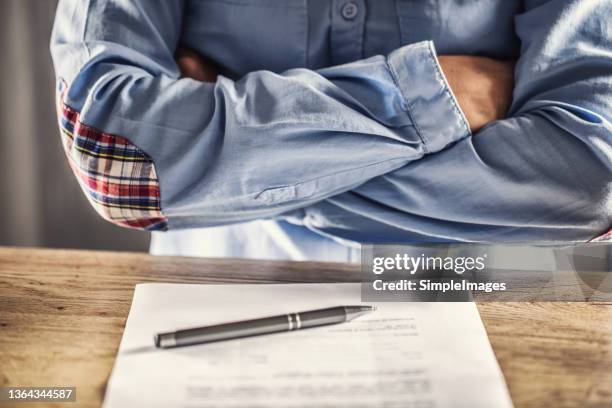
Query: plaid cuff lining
(117, 177)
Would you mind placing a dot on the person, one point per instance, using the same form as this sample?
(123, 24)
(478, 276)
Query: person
(297, 129)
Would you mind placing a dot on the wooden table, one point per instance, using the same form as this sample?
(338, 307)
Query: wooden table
(62, 314)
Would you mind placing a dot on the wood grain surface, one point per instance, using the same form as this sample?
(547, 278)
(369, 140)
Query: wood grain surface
(62, 314)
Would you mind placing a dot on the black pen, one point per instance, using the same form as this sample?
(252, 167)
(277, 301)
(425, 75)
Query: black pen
(256, 327)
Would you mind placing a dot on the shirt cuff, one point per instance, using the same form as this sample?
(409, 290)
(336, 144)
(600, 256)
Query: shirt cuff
(430, 102)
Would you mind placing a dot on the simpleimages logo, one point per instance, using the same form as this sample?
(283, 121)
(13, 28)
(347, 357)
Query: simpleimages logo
(412, 264)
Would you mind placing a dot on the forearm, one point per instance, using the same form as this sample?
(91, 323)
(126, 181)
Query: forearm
(240, 150)
(544, 174)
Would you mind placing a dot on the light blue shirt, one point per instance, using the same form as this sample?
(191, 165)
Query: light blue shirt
(332, 123)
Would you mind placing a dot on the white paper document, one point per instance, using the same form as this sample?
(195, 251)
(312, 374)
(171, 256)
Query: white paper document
(403, 355)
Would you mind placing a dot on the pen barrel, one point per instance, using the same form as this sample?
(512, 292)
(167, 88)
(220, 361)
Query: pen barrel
(227, 331)
(266, 325)
(323, 317)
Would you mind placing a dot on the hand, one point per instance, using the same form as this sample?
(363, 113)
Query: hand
(483, 86)
(194, 66)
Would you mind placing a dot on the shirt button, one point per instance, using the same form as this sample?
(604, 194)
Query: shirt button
(349, 10)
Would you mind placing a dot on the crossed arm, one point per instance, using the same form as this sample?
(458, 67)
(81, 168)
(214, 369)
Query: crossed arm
(482, 86)
(374, 150)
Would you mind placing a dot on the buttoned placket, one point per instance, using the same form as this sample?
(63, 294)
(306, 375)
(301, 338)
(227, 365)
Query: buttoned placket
(348, 18)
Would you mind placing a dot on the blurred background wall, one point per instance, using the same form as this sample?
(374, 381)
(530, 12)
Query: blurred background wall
(40, 201)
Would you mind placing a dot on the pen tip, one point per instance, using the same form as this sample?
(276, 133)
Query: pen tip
(353, 312)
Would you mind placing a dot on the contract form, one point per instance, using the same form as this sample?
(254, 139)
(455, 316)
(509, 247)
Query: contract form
(403, 355)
